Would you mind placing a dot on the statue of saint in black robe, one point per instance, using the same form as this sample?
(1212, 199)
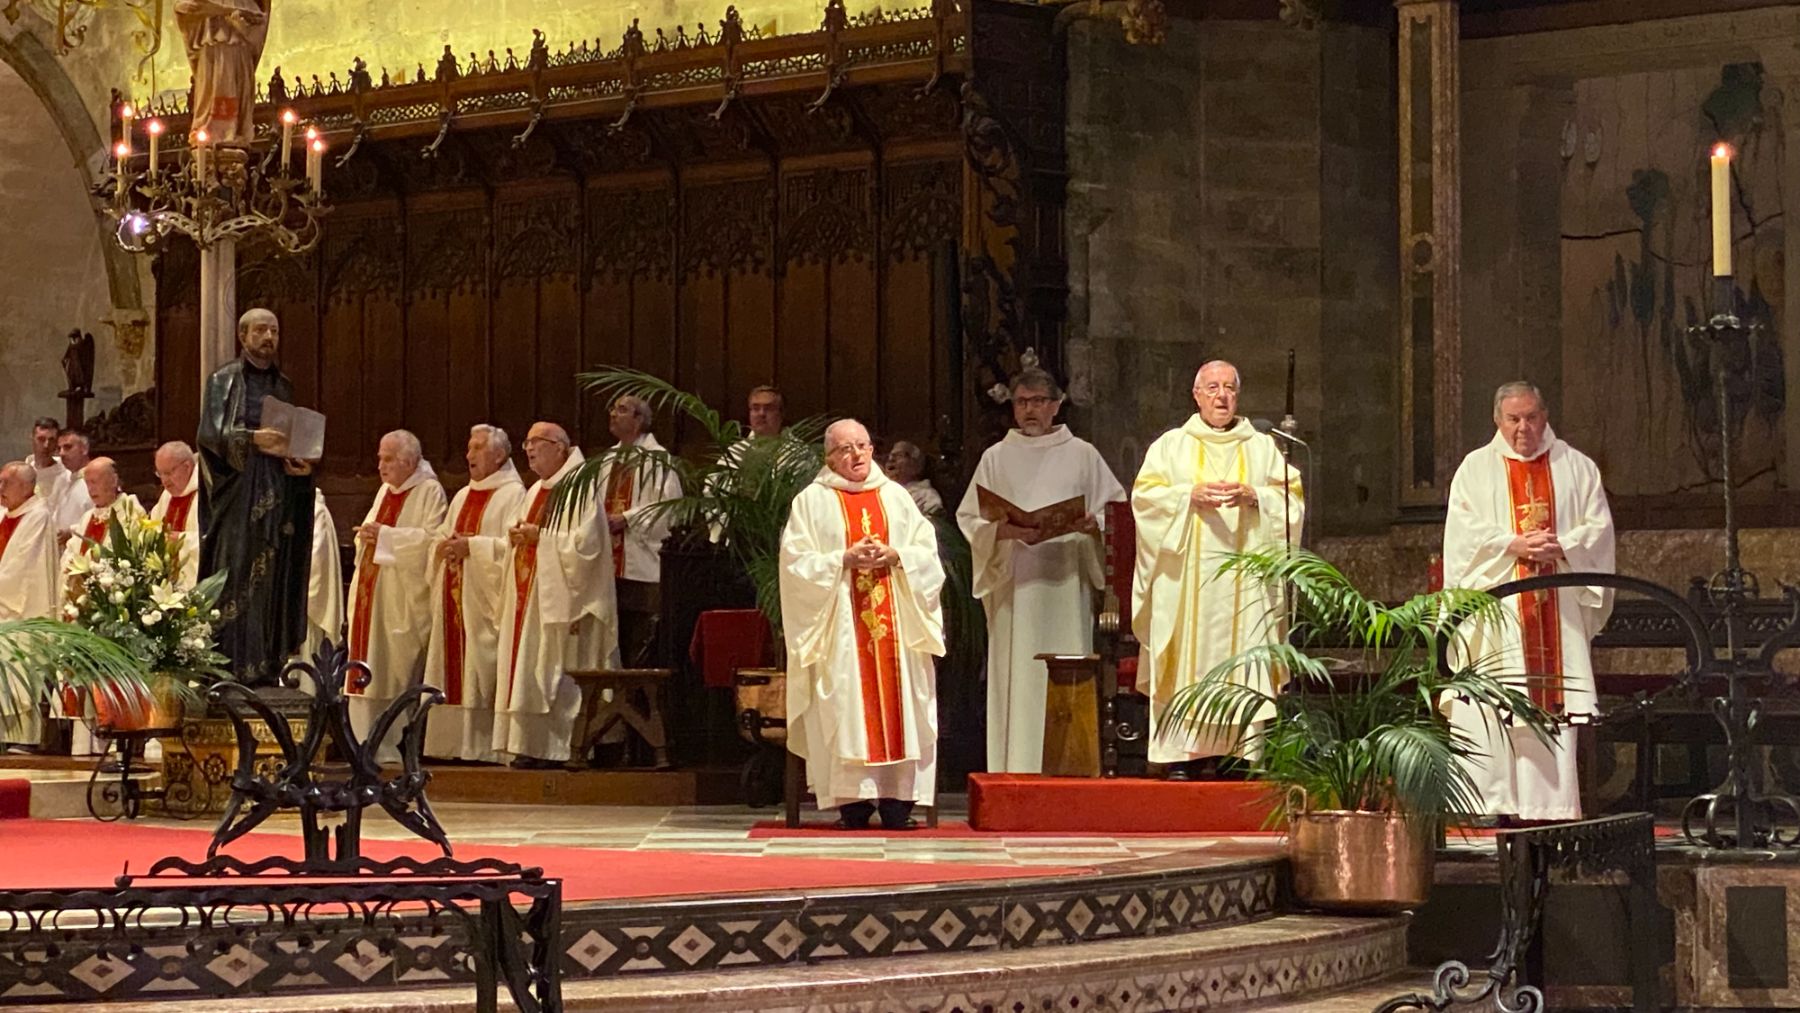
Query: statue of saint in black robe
(257, 524)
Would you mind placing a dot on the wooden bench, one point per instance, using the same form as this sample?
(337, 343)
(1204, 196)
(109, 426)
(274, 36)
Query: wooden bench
(636, 703)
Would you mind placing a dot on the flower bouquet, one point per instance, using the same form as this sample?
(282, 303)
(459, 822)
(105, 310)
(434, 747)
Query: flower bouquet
(126, 588)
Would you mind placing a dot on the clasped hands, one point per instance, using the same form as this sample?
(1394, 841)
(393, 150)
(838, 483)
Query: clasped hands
(1537, 546)
(870, 554)
(454, 547)
(274, 443)
(523, 534)
(1215, 495)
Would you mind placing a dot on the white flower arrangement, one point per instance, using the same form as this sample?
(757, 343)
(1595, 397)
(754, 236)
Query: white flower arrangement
(126, 589)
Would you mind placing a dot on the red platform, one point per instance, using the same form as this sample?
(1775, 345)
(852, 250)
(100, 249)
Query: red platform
(1027, 803)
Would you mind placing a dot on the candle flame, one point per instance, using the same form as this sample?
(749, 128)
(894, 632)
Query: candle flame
(154, 126)
(201, 137)
(121, 149)
(1721, 150)
(289, 116)
(126, 111)
(312, 133)
(318, 145)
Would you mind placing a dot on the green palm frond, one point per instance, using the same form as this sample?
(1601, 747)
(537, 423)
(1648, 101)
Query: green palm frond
(1376, 740)
(36, 653)
(609, 383)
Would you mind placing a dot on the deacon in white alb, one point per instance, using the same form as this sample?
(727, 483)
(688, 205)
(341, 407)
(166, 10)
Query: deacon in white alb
(325, 585)
(70, 503)
(637, 530)
(1039, 593)
(390, 602)
(178, 508)
(860, 580)
(469, 576)
(43, 459)
(28, 587)
(1527, 505)
(1212, 487)
(559, 613)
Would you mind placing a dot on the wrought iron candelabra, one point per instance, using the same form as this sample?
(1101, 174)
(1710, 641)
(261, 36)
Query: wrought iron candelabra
(226, 196)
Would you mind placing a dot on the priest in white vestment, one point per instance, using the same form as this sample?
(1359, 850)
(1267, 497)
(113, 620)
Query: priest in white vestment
(178, 508)
(1038, 592)
(101, 479)
(637, 529)
(1528, 505)
(325, 585)
(1214, 486)
(860, 586)
(390, 608)
(469, 576)
(43, 459)
(71, 502)
(559, 612)
(28, 586)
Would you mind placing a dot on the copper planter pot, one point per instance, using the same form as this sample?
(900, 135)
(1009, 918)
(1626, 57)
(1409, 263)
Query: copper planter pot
(1358, 861)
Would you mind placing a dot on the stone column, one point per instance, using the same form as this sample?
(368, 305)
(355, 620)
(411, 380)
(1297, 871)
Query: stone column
(1430, 249)
(218, 307)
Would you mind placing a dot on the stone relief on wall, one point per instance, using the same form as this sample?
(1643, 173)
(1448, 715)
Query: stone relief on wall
(1636, 274)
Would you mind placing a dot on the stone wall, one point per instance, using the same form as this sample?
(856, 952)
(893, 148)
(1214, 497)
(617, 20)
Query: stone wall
(1243, 212)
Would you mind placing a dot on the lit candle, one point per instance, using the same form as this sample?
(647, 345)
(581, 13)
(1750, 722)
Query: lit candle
(127, 113)
(1721, 210)
(288, 119)
(123, 151)
(154, 128)
(200, 143)
(315, 167)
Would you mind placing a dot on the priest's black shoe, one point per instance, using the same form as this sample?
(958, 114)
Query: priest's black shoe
(855, 815)
(896, 814)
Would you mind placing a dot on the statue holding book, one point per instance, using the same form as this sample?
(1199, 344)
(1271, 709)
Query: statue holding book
(256, 497)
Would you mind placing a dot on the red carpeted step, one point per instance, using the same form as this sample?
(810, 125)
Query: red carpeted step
(1032, 802)
(15, 800)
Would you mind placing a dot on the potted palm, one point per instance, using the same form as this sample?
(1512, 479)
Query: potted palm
(125, 588)
(34, 652)
(1369, 767)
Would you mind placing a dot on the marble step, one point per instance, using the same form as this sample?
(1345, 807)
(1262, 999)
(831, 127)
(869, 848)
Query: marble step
(1271, 964)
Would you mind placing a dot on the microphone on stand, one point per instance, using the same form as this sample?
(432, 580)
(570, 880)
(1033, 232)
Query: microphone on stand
(1280, 432)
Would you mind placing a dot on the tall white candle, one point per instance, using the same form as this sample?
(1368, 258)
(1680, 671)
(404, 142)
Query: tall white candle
(288, 119)
(315, 167)
(200, 143)
(1721, 210)
(127, 113)
(123, 151)
(154, 128)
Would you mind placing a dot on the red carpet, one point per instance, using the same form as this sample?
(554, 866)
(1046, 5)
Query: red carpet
(15, 800)
(82, 853)
(1013, 803)
(765, 830)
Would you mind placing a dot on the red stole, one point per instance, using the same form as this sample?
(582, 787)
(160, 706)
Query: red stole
(175, 518)
(877, 650)
(618, 500)
(366, 572)
(525, 559)
(456, 638)
(7, 526)
(94, 531)
(1533, 496)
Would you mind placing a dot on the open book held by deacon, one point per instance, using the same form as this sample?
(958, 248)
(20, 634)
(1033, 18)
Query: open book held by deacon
(1051, 521)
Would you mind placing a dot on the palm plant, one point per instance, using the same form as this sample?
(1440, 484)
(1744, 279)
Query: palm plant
(738, 485)
(34, 653)
(1375, 741)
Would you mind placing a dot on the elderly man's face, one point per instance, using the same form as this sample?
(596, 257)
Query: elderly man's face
(623, 421)
(15, 489)
(850, 454)
(1523, 419)
(73, 450)
(483, 456)
(1216, 394)
(904, 464)
(546, 450)
(43, 441)
(393, 462)
(102, 485)
(261, 339)
(765, 413)
(173, 473)
(1034, 410)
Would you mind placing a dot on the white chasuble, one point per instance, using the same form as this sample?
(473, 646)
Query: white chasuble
(1543, 646)
(390, 613)
(1187, 617)
(862, 686)
(559, 614)
(462, 657)
(325, 586)
(1039, 598)
(180, 517)
(630, 492)
(28, 590)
